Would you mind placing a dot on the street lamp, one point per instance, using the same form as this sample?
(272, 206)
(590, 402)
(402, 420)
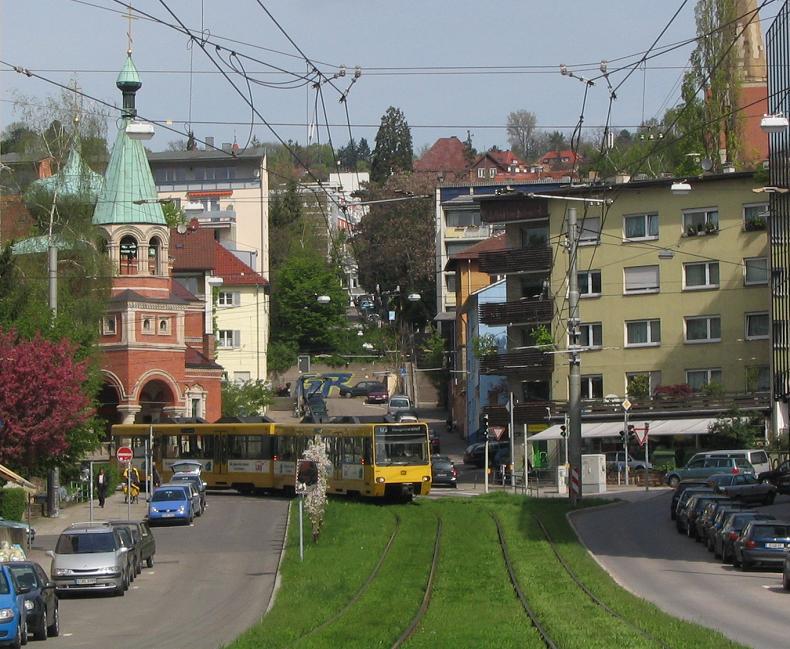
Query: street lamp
(139, 130)
(680, 188)
(323, 299)
(413, 297)
(774, 123)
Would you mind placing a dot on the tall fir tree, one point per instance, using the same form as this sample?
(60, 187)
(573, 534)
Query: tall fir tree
(393, 152)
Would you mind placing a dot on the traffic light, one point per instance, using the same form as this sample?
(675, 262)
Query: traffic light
(563, 431)
(631, 429)
(484, 425)
(307, 473)
(622, 435)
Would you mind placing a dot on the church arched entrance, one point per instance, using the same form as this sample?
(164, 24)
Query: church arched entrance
(156, 402)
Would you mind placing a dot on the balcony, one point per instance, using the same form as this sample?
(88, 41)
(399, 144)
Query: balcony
(524, 311)
(528, 412)
(527, 363)
(215, 218)
(468, 232)
(516, 260)
(508, 210)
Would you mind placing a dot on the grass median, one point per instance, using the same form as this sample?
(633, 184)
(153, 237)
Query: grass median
(473, 603)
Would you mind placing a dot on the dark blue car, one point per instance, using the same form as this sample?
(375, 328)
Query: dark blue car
(40, 600)
(762, 543)
(13, 620)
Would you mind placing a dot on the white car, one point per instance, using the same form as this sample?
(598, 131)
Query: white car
(616, 462)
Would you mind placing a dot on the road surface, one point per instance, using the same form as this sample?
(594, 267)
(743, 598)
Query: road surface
(640, 547)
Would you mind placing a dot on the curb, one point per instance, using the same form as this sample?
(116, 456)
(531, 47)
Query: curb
(277, 578)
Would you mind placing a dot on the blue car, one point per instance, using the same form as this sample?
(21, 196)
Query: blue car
(170, 503)
(13, 622)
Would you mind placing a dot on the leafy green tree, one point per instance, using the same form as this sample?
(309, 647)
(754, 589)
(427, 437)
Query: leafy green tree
(393, 152)
(363, 151)
(245, 399)
(736, 429)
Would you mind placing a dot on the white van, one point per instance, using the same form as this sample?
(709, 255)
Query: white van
(758, 458)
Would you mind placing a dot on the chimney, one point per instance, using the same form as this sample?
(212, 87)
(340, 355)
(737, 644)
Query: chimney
(209, 345)
(226, 147)
(45, 168)
(209, 142)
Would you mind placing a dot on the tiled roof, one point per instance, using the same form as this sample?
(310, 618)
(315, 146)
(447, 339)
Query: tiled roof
(446, 154)
(193, 358)
(192, 250)
(565, 153)
(177, 290)
(492, 244)
(129, 295)
(233, 270)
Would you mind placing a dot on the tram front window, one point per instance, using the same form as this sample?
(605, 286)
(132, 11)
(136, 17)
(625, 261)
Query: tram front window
(401, 445)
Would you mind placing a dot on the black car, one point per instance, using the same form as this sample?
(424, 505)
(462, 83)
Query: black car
(681, 512)
(362, 389)
(779, 477)
(144, 545)
(716, 521)
(694, 509)
(706, 518)
(443, 471)
(762, 543)
(730, 532)
(41, 602)
(477, 454)
(435, 443)
(682, 486)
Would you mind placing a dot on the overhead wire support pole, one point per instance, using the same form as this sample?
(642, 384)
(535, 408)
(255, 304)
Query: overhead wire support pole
(574, 361)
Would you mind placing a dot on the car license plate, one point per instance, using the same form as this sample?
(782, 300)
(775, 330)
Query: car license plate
(777, 546)
(85, 581)
(168, 515)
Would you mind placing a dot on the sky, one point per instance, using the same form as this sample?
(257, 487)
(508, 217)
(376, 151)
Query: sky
(451, 66)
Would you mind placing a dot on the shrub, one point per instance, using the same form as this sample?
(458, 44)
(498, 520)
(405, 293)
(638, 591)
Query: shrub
(13, 502)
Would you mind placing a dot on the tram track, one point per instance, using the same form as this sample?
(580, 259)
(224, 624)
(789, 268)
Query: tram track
(544, 635)
(363, 588)
(595, 599)
(426, 600)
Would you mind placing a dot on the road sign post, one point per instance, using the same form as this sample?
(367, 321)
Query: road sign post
(125, 454)
(626, 408)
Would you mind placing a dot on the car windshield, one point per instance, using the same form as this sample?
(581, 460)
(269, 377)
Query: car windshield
(770, 531)
(161, 495)
(25, 576)
(442, 464)
(85, 543)
(399, 403)
(401, 445)
(190, 479)
(377, 387)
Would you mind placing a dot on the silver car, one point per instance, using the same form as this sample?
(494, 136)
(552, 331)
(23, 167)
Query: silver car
(399, 403)
(90, 557)
(196, 481)
(194, 495)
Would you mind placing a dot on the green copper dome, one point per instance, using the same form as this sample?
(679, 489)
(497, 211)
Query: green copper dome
(128, 77)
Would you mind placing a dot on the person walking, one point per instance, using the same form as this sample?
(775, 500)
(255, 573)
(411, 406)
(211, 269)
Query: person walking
(101, 486)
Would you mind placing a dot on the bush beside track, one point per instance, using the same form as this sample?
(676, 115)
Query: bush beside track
(365, 580)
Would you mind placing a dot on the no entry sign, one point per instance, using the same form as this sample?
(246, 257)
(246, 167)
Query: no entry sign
(124, 454)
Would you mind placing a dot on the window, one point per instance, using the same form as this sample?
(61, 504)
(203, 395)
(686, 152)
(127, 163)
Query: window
(196, 408)
(705, 329)
(591, 335)
(702, 275)
(241, 377)
(463, 218)
(227, 298)
(108, 325)
(643, 333)
(756, 270)
(641, 279)
(535, 236)
(227, 338)
(641, 226)
(492, 172)
(698, 379)
(148, 325)
(653, 380)
(164, 326)
(592, 387)
(758, 378)
(481, 172)
(755, 216)
(590, 231)
(700, 220)
(452, 285)
(756, 326)
(589, 283)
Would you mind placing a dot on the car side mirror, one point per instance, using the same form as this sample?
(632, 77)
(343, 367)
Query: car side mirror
(24, 590)
(49, 585)
(124, 549)
(50, 553)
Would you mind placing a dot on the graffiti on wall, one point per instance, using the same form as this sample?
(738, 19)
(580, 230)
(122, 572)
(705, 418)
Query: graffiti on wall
(326, 382)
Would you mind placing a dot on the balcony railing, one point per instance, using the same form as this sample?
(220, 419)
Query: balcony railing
(524, 311)
(530, 363)
(513, 209)
(514, 260)
(215, 218)
(468, 232)
(528, 412)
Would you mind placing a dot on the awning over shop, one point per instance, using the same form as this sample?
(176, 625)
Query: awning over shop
(10, 476)
(667, 427)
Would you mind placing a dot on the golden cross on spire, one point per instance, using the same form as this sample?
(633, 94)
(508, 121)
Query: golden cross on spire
(129, 18)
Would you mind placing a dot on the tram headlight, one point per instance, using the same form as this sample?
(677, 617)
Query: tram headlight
(380, 479)
(426, 478)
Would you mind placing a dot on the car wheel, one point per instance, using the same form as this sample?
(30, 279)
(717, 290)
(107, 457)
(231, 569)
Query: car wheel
(17, 642)
(120, 591)
(149, 562)
(769, 499)
(54, 629)
(745, 566)
(735, 561)
(785, 581)
(24, 632)
(40, 632)
(674, 481)
(138, 567)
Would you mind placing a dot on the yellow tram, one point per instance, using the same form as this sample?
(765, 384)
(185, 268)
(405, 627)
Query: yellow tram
(371, 460)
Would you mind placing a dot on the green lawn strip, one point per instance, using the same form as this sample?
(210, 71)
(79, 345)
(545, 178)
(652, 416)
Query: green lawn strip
(670, 630)
(387, 607)
(473, 603)
(570, 617)
(350, 545)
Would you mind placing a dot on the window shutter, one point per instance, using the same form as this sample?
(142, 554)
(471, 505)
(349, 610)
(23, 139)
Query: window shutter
(236, 298)
(641, 278)
(236, 338)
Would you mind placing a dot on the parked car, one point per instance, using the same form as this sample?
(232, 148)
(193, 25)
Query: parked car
(477, 455)
(194, 495)
(170, 504)
(469, 452)
(694, 508)
(682, 506)
(399, 403)
(718, 518)
(13, 617)
(685, 484)
(443, 471)
(406, 417)
(746, 488)
(706, 517)
(131, 554)
(187, 466)
(704, 467)
(89, 557)
(762, 543)
(615, 461)
(731, 530)
(196, 482)
(433, 437)
(757, 457)
(144, 541)
(40, 601)
(779, 477)
(364, 389)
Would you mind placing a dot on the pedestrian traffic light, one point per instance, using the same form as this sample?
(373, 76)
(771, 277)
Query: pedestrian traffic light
(563, 431)
(631, 429)
(306, 473)
(622, 435)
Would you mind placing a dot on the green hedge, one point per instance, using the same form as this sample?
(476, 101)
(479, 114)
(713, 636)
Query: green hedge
(13, 502)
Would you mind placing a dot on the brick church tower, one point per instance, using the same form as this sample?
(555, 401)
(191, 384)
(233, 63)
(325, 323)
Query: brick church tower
(157, 342)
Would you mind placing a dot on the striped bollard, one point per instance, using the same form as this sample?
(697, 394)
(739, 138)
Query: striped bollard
(575, 485)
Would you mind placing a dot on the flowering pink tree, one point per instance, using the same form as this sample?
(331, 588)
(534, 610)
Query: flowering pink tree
(41, 398)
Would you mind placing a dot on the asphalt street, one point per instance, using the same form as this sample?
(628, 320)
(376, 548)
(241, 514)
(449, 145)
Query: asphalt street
(210, 581)
(639, 546)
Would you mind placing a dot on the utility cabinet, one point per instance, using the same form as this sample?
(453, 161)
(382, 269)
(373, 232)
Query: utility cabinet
(594, 474)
